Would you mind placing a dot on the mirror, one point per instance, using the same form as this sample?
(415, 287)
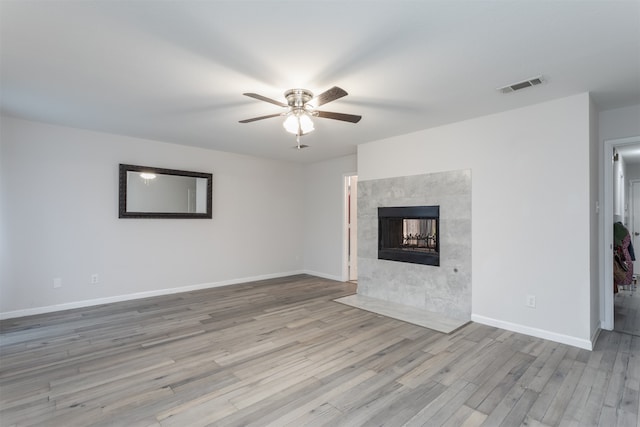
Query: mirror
(148, 192)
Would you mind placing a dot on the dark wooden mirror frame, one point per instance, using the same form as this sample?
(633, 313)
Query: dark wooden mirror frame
(123, 213)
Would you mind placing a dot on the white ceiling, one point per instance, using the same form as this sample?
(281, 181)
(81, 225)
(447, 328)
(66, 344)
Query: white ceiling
(175, 71)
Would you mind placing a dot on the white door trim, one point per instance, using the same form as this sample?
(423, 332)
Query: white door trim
(345, 225)
(633, 184)
(606, 246)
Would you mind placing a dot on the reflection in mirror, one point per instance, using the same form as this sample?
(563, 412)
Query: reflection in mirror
(147, 192)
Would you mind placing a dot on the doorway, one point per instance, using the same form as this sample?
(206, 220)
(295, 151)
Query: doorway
(626, 302)
(350, 262)
(619, 311)
(634, 219)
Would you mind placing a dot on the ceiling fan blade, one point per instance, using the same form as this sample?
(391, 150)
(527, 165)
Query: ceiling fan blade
(259, 118)
(329, 95)
(339, 116)
(264, 98)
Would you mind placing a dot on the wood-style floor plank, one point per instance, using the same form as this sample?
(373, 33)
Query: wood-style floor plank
(626, 307)
(281, 352)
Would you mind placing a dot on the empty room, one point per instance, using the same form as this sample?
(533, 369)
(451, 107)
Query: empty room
(310, 213)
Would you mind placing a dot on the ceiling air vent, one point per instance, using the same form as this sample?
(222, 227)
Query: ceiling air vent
(521, 85)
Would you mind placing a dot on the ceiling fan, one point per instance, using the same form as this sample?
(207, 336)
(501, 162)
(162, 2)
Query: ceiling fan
(301, 106)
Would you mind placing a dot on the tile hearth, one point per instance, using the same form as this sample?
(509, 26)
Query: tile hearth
(416, 316)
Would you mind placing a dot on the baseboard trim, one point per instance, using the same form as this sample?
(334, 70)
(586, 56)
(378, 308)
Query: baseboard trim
(535, 332)
(323, 275)
(140, 295)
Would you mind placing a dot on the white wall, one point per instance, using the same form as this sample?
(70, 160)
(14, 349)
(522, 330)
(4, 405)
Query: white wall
(324, 216)
(59, 218)
(619, 123)
(531, 226)
(633, 171)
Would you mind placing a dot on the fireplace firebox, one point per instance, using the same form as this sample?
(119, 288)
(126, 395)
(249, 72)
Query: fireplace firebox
(409, 234)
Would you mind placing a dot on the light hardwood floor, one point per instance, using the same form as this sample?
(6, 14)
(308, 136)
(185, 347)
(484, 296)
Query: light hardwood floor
(281, 352)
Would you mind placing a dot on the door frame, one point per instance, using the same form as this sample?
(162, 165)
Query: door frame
(633, 215)
(606, 246)
(345, 224)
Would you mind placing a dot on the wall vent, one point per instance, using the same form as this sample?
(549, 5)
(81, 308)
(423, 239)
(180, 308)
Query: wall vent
(521, 85)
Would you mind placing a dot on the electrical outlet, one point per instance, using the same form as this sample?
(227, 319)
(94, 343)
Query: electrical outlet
(94, 279)
(531, 301)
(57, 282)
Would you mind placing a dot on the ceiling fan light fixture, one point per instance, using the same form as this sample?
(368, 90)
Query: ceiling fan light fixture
(306, 124)
(301, 108)
(298, 123)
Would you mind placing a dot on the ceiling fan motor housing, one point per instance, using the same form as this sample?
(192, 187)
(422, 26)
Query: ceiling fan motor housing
(297, 98)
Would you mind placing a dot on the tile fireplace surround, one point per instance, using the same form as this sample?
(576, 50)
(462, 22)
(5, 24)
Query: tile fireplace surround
(445, 289)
